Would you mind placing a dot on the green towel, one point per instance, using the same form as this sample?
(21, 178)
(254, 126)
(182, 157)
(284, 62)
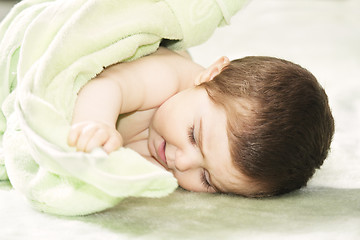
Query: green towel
(48, 51)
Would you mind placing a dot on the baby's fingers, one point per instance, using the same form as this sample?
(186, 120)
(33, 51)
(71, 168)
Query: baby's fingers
(114, 142)
(85, 137)
(74, 134)
(99, 138)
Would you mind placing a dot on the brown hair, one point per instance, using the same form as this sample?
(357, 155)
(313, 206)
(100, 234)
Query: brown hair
(280, 125)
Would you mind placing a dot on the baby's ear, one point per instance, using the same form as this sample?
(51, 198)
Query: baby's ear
(213, 70)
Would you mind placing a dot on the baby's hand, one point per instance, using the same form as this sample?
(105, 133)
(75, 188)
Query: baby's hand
(86, 136)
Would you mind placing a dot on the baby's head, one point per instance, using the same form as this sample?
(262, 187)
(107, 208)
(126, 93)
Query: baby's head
(279, 122)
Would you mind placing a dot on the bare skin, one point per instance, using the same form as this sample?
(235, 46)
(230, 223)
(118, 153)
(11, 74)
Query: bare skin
(154, 106)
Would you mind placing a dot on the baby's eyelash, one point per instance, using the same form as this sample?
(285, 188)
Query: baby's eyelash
(191, 135)
(204, 180)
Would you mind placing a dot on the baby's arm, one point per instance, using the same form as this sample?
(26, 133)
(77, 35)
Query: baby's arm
(95, 114)
(122, 88)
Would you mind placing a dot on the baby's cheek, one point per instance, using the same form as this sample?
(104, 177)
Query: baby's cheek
(188, 184)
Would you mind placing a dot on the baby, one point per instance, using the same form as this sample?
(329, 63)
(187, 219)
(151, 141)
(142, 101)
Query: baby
(257, 126)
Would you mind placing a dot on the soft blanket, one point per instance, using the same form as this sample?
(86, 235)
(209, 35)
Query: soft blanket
(49, 49)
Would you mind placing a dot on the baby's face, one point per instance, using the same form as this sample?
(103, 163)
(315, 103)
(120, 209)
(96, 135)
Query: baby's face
(188, 137)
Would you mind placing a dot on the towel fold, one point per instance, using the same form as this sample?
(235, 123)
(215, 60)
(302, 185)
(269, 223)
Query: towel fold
(48, 51)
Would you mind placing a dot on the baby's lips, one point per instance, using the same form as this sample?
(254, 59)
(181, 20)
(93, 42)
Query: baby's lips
(161, 153)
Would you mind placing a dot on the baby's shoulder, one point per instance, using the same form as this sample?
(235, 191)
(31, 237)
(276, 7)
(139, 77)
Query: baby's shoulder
(148, 82)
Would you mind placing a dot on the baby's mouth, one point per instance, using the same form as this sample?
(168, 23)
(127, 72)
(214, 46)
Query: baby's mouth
(161, 153)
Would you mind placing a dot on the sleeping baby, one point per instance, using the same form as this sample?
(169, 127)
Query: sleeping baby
(256, 126)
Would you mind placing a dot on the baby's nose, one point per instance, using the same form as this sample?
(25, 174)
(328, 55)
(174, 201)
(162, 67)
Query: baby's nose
(187, 161)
